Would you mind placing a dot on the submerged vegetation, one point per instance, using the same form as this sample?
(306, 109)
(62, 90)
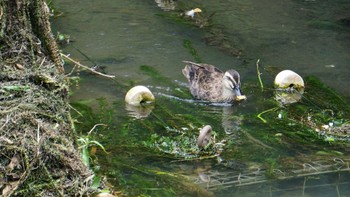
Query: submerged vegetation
(169, 135)
(157, 154)
(142, 149)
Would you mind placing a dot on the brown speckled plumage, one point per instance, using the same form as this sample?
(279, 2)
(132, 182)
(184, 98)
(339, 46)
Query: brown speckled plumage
(209, 83)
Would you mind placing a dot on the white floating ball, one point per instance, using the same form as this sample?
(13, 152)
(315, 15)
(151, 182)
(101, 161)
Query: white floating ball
(139, 94)
(288, 78)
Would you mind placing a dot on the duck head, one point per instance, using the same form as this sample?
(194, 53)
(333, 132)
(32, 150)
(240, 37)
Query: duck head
(232, 85)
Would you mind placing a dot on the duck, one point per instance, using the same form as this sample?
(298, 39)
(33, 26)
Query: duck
(206, 82)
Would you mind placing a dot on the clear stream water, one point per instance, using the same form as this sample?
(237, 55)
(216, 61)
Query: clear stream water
(307, 36)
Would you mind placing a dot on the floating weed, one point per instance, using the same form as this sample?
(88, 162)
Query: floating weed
(269, 110)
(183, 146)
(180, 146)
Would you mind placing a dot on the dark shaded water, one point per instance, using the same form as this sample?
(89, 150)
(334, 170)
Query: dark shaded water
(309, 37)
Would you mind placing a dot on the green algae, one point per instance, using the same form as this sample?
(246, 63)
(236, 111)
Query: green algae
(154, 74)
(169, 134)
(188, 45)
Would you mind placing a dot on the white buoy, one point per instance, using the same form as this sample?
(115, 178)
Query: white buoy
(139, 94)
(287, 78)
(289, 87)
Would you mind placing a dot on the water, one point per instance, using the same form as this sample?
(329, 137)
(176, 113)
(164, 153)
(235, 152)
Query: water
(123, 35)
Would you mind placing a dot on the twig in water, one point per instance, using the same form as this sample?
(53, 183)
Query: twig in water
(78, 112)
(85, 67)
(259, 73)
(72, 71)
(261, 118)
(93, 128)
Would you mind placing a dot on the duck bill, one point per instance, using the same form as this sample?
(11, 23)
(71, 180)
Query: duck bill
(239, 95)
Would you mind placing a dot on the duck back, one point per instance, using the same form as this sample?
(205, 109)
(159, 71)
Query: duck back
(205, 81)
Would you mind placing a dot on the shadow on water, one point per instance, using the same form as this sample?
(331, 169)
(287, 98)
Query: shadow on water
(261, 148)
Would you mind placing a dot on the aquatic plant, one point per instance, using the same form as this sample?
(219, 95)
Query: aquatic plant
(188, 45)
(85, 143)
(259, 75)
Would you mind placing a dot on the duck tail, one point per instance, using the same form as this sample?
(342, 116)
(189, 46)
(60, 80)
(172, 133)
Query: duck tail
(191, 63)
(190, 70)
(187, 72)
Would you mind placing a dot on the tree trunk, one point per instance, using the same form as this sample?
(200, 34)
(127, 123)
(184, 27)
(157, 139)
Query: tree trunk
(37, 149)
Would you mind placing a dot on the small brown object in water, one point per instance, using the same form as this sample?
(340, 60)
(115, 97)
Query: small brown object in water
(204, 136)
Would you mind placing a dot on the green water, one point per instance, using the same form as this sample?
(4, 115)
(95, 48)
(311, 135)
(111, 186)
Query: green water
(140, 43)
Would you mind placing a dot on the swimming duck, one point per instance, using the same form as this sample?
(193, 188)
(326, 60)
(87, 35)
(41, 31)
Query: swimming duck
(209, 83)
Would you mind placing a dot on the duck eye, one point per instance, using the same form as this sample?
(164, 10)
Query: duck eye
(232, 81)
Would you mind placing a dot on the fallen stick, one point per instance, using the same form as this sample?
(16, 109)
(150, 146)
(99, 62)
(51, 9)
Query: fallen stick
(85, 67)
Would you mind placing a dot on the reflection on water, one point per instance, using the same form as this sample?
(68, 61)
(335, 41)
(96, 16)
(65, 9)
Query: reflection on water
(230, 121)
(123, 35)
(287, 97)
(139, 111)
